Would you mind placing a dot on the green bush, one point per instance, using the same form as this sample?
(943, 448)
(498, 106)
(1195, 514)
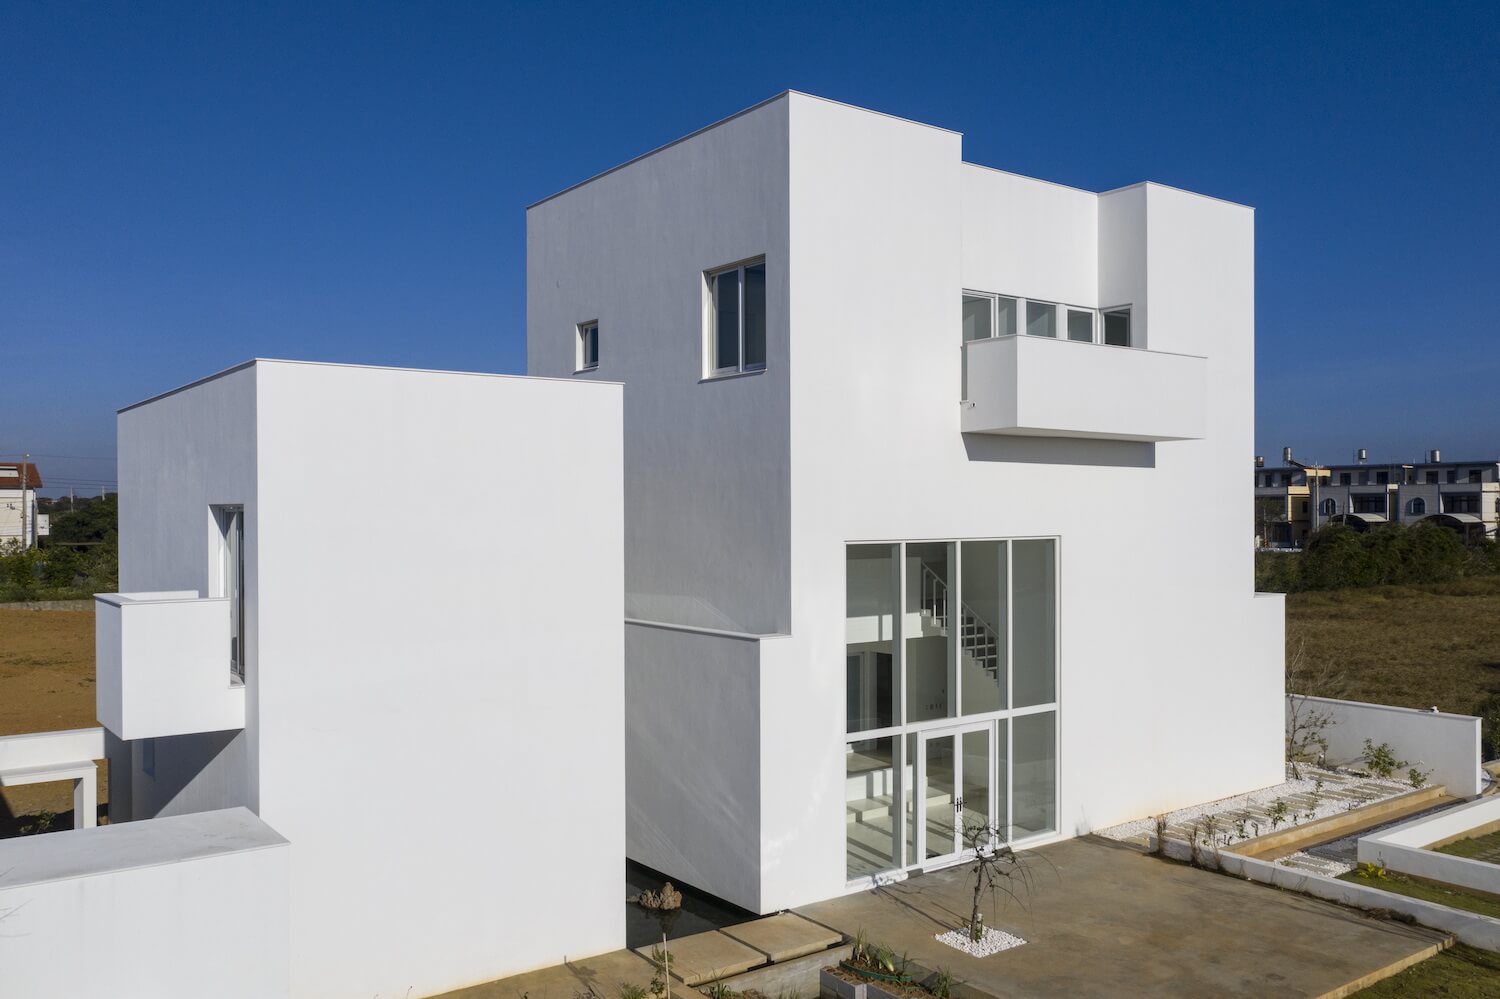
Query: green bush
(1337, 557)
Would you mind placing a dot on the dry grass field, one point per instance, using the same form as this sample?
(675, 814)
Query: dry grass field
(46, 684)
(1413, 646)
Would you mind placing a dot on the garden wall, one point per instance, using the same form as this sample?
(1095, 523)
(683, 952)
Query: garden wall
(1445, 744)
(186, 906)
(1404, 848)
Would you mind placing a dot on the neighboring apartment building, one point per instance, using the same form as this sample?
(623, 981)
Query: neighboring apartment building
(389, 709)
(19, 522)
(872, 396)
(1462, 495)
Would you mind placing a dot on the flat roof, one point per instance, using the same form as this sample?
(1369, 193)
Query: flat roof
(911, 121)
(365, 367)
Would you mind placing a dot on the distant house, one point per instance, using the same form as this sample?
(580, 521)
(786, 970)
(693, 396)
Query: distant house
(19, 482)
(1462, 495)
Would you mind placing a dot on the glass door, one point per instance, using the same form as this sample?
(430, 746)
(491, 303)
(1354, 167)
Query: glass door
(956, 796)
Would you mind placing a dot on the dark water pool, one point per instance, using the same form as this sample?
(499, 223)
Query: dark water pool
(700, 911)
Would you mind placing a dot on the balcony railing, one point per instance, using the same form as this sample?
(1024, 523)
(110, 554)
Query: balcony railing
(1032, 386)
(163, 665)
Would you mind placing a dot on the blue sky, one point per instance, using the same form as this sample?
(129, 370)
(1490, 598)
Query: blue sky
(183, 187)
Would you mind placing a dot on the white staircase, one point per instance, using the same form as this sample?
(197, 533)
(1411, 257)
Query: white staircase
(976, 639)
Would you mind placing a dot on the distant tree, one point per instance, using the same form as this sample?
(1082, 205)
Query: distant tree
(95, 520)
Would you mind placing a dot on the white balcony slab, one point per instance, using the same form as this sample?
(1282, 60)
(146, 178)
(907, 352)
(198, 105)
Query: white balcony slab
(1031, 386)
(163, 665)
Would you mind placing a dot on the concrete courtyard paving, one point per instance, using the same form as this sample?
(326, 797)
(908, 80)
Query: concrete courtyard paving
(1109, 921)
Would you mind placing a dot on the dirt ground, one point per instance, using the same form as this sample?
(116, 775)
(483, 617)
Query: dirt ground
(46, 685)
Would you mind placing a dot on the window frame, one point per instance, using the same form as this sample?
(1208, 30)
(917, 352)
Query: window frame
(1060, 316)
(1128, 310)
(958, 722)
(711, 367)
(580, 347)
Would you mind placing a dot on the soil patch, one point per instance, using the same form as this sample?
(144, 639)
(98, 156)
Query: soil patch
(46, 685)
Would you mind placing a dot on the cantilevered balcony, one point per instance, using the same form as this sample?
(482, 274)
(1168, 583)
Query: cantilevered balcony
(163, 662)
(1033, 386)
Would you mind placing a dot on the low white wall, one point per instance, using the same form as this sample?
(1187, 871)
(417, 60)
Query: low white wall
(1445, 744)
(189, 906)
(1403, 848)
(51, 749)
(1468, 927)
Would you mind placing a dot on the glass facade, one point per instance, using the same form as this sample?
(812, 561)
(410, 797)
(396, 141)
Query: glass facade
(951, 720)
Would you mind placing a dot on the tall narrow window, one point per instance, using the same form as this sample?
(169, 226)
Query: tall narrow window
(230, 582)
(1080, 326)
(931, 640)
(872, 576)
(737, 331)
(1117, 328)
(1041, 319)
(588, 347)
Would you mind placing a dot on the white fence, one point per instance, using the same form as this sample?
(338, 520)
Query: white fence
(1444, 744)
(186, 906)
(1403, 848)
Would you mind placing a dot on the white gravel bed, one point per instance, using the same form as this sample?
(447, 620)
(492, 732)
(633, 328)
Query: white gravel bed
(993, 943)
(1265, 798)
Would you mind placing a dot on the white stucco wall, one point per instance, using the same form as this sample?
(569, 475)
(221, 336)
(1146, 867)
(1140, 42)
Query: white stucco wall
(630, 249)
(174, 908)
(430, 714)
(1162, 646)
(178, 456)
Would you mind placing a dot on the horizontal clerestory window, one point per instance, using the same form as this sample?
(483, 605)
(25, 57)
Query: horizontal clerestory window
(986, 316)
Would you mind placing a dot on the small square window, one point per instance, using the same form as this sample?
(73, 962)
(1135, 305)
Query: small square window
(588, 347)
(737, 322)
(1041, 319)
(1080, 326)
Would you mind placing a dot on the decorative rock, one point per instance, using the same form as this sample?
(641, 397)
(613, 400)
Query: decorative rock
(993, 942)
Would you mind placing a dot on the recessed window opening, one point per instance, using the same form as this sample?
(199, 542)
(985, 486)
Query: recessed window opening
(737, 318)
(229, 581)
(1117, 328)
(588, 347)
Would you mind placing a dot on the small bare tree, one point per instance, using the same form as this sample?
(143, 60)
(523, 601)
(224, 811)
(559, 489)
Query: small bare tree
(1306, 720)
(997, 870)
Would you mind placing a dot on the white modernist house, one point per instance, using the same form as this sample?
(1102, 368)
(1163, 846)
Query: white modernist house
(873, 394)
(415, 721)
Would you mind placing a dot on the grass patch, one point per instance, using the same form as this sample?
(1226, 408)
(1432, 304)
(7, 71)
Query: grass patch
(1452, 896)
(1486, 847)
(1435, 645)
(1460, 972)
